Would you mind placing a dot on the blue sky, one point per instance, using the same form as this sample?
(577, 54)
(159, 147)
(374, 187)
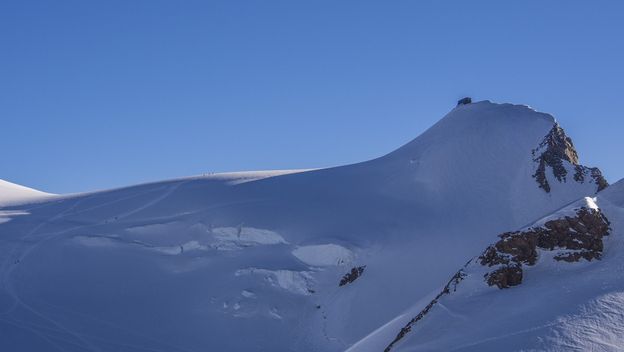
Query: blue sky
(99, 94)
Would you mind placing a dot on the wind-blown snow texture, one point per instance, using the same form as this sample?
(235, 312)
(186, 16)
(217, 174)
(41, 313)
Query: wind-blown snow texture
(253, 261)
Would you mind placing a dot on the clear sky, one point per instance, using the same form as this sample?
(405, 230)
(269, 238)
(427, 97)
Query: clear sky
(100, 94)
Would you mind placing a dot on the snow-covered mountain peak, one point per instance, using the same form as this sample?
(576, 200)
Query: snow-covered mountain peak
(482, 122)
(497, 149)
(320, 258)
(488, 104)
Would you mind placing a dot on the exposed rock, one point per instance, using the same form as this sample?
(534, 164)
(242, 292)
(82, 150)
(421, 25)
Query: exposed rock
(552, 152)
(555, 148)
(576, 256)
(596, 175)
(452, 284)
(580, 235)
(581, 172)
(517, 247)
(505, 276)
(352, 275)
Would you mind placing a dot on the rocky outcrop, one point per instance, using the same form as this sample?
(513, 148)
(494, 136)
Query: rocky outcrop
(576, 237)
(352, 275)
(505, 276)
(450, 286)
(582, 172)
(554, 152)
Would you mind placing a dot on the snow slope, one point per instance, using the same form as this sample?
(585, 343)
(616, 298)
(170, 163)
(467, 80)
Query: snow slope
(211, 262)
(12, 194)
(559, 306)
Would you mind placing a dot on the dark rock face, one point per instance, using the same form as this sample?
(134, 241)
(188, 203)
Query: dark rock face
(505, 276)
(556, 148)
(352, 275)
(451, 285)
(594, 173)
(514, 247)
(580, 236)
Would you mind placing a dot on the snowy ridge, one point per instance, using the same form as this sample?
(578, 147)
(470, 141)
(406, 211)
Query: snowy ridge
(14, 194)
(234, 178)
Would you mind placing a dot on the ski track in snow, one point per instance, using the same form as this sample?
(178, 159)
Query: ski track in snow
(12, 291)
(8, 269)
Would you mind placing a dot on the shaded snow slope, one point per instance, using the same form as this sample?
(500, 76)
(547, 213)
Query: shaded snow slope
(239, 260)
(562, 303)
(12, 194)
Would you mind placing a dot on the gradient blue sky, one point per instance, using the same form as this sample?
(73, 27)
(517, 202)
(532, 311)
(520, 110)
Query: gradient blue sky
(99, 94)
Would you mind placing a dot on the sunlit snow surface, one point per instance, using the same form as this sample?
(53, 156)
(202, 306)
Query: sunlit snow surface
(560, 306)
(252, 261)
(12, 194)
